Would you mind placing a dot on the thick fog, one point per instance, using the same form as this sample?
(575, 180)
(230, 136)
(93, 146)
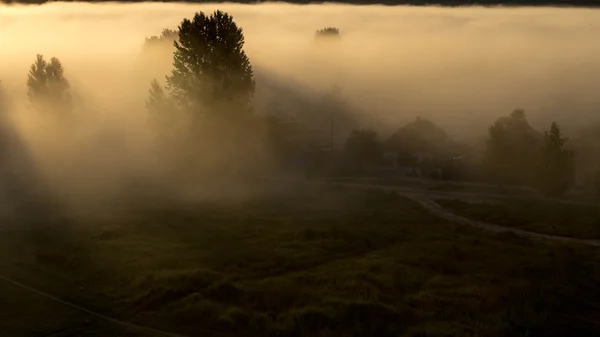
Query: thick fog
(395, 62)
(461, 67)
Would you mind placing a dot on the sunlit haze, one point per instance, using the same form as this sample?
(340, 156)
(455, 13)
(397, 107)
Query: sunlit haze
(394, 62)
(461, 67)
(351, 171)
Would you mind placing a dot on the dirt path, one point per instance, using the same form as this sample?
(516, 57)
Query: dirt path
(436, 209)
(461, 194)
(424, 198)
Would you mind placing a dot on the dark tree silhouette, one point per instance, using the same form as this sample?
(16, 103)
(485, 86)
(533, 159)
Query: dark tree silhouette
(208, 100)
(362, 150)
(518, 114)
(327, 35)
(164, 121)
(37, 79)
(48, 89)
(512, 150)
(211, 69)
(156, 57)
(328, 32)
(167, 37)
(556, 169)
(159, 106)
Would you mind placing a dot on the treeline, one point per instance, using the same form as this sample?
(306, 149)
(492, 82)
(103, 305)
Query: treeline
(450, 3)
(515, 154)
(201, 114)
(202, 117)
(206, 125)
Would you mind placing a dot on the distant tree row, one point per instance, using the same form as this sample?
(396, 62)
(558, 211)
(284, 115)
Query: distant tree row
(327, 34)
(517, 154)
(167, 36)
(205, 105)
(206, 108)
(48, 89)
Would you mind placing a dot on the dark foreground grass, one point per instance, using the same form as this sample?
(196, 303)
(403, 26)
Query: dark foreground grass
(311, 263)
(554, 218)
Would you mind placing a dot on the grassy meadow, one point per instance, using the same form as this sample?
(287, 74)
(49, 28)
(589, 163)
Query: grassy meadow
(307, 261)
(547, 217)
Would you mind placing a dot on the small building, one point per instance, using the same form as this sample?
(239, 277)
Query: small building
(420, 148)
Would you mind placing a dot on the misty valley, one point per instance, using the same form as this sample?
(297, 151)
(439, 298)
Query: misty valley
(171, 169)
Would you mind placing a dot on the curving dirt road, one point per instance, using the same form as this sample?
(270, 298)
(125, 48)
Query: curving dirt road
(425, 199)
(436, 209)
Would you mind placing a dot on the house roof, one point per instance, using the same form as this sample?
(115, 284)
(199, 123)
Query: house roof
(422, 135)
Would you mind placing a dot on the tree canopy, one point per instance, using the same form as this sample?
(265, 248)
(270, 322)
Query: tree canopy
(156, 57)
(48, 89)
(327, 35)
(328, 32)
(512, 149)
(556, 169)
(211, 68)
(202, 114)
(167, 36)
(158, 104)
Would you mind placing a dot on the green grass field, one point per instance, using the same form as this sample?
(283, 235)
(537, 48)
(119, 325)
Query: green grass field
(571, 220)
(310, 262)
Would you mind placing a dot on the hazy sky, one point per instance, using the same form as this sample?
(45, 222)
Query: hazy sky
(461, 65)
